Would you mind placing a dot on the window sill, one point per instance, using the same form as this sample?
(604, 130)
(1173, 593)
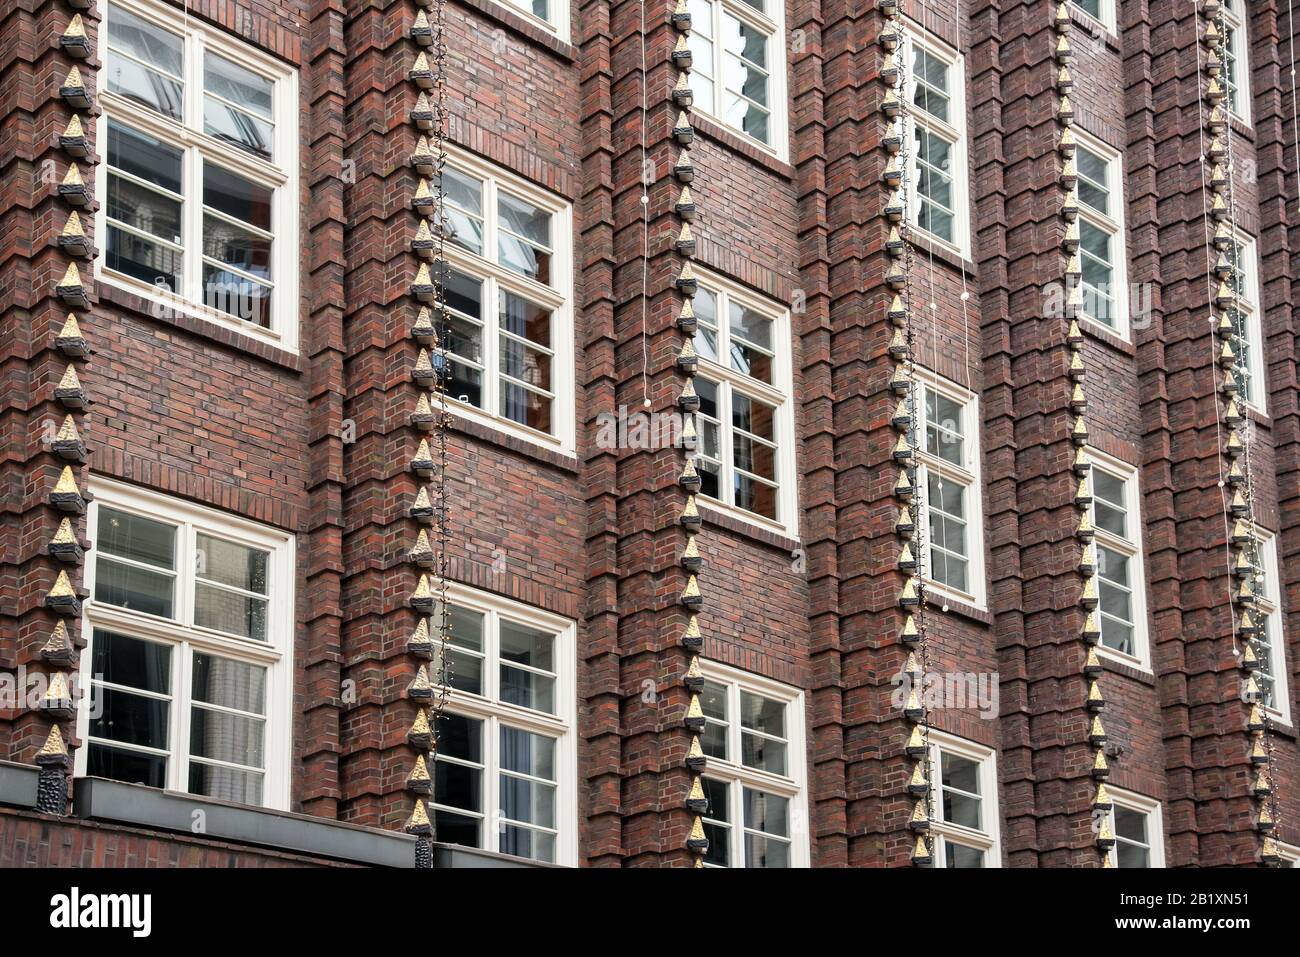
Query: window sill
(1115, 663)
(118, 296)
(1107, 336)
(474, 429)
(1095, 28)
(497, 10)
(725, 518)
(938, 599)
(738, 144)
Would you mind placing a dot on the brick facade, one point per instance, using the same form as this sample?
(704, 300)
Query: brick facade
(317, 443)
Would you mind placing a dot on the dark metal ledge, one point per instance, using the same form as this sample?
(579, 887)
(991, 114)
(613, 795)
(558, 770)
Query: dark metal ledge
(104, 800)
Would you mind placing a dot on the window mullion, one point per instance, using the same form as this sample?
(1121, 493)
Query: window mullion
(181, 722)
(491, 783)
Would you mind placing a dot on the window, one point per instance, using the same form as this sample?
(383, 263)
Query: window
(1288, 855)
(552, 15)
(936, 127)
(964, 827)
(754, 779)
(1236, 60)
(189, 660)
(745, 422)
(1121, 583)
(1136, 823)
(738, 66)
(1270, 642)
(1103, 11)
(198, 200)
(1247, 334)
(946, 437)
(508, 329)
(505, 771)
(1102, 246)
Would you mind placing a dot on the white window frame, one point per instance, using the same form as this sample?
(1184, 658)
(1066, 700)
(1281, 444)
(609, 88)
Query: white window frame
(773, 24)
(1289, 854)
(1269, 605)
(487, 707)
(1106, 9)
(557, 24)
(1132, 547)
(1155, 824)
(968, 475)
(275, 654)
(914, 37)
(558, 297)
(1249, 304)
(779, 393)
(1115, 226)
(1240, 50)
(738, 776)
(988, 840)
(281, 175)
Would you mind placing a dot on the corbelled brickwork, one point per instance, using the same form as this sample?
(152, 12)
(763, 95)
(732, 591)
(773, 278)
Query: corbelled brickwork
(319, 443)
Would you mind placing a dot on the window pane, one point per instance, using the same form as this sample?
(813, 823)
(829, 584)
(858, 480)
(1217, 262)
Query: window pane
(133, 767)
(464, 196)
(961, 775)
(719, 811)
(754, 456)
(762, 753)
(527, 646)
(121, 660)
(229, 684)
(463, 337)
(237, 247)
(527, 321)
(229, 563)
(1098, 273)
(713, 701)
(765, 852)
(959, 855)
(144, 41)
(236, 196)
(706, 314)
(525, 842)
(129, 587)
(455, 784)
(527, 801)
(144, 157)
(226, 737)
(465, 630)
(242, 87)
(1130, 824)
(524, 230)
(943, 428)
(762, 714)
(146, 210)
(767, 812)
(225, 784)
(139, 539)
(525, 407)
(755, 417)
(931, 82)
(142, 259)
(935, 209)
(457, 828)
(739, 39)
(144, 82)
(230, 612)
(237, 296)
(1093, 181)
(527, 753)
(751, 333)
(755, 496)
(131, 719)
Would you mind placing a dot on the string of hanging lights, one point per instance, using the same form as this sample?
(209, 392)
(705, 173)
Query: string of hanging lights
(1245, 566)
(431, 417)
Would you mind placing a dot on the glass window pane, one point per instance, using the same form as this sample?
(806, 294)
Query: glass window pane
(250, 133)
(527, 801)
(230, 612)
(226, 737)
(959, 855)
(229, 683)
(122, 660)
(136, 588)
(237, 247)
(1130, 824)
(755, 417)
(525, 407)
(765, 852)
(527, 646)
(525, 842)
(131, 719)
(719, 810)
(767, 812)
(142, 259)
(237, 197)
(235, 295)
(464, 196)
(146, 210)
(762, 753)
(149, 88)
(523, 231)
(755, 496)
(458, 828)
(144, 41)
(229, 563)
(226, 784)
(528, 753)
(144, 157)
(246, 89)
(139, 539)
(455, 784)
(762, 714)
(961, 790)
(133, 767)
